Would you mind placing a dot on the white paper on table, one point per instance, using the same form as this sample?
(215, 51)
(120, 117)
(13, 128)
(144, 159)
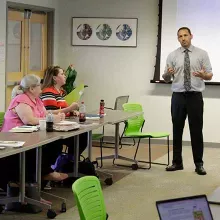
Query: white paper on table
(66, 123)
(24, 129)
(13, 144)
(66, 126)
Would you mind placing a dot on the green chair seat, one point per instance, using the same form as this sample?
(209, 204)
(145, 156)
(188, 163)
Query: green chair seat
(97, 136)
(147, 135)
(2, 115)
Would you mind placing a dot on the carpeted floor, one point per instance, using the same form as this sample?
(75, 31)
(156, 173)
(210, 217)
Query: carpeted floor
(117, 171)
(133, 196)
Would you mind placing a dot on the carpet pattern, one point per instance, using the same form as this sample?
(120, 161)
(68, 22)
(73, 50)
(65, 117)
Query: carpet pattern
(118, 174)
(134, 197)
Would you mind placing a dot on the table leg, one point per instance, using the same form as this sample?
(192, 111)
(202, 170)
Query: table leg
(38, 166)
(90, 145)
(116, 155)
(116, 140)
(22, 177)
(76, 156)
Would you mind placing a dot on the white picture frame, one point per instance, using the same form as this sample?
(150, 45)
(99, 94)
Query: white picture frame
(104, 32)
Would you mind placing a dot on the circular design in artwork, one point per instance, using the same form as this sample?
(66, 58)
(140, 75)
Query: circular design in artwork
(17, 31)
(103, 31)
(123, 32)
(84, 31)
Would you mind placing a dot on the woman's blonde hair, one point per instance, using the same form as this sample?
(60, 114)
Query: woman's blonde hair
(28, 81)
(49, 73)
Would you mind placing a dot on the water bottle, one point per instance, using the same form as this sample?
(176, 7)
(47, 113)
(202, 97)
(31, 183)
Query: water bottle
(82, 112)
(102, 108)
(49, 122)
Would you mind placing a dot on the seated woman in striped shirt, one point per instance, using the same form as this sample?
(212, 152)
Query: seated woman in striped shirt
(53, 99)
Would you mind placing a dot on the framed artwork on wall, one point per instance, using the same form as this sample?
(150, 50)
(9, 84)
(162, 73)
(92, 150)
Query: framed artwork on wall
(104, 32)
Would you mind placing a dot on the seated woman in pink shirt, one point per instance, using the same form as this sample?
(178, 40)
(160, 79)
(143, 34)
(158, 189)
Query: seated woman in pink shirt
(26, 109)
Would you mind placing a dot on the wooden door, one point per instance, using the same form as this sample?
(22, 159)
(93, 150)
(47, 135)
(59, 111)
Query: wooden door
(26, 48)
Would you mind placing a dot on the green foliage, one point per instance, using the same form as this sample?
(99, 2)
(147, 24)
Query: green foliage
(70, 79)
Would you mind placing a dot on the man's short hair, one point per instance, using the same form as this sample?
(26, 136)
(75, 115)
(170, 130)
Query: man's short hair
(184, 28)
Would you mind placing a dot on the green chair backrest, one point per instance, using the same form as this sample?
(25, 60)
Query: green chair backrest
(2, 115)
(75, 95)
(89, 198)
(133, 124)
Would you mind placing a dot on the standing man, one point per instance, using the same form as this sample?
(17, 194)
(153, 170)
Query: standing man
(188, 66)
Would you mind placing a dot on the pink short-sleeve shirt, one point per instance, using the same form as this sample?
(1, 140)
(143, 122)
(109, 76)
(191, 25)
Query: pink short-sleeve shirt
(11, 118)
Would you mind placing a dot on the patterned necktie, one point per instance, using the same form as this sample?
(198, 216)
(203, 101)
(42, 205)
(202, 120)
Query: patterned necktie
(187, 75)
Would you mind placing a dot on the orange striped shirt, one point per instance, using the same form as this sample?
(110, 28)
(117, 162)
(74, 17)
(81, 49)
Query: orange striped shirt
(53, 99)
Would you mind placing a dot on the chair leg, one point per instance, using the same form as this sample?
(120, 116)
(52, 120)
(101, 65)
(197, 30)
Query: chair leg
(120, 143)
(101, 141)
(149, 152)
(127, 144)
(149, 148)
(137, 149)
(150, 162)
(134, 141)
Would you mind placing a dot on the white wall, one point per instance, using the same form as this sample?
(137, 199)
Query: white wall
(111, 72)
(3, 20)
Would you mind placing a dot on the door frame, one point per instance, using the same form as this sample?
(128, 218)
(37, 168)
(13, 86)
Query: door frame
(50, 31)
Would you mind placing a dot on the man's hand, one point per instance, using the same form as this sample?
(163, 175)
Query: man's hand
(201, 73)
(170, 70)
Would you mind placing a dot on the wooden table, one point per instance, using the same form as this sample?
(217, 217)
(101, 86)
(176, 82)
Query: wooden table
(32, 141)
(36, 140)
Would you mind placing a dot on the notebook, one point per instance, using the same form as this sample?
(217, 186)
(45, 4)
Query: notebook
(187, 208)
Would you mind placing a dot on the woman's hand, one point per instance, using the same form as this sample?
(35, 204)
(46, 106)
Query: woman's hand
(74, 106)
(76, 113)
(59, 117)
(62, 116)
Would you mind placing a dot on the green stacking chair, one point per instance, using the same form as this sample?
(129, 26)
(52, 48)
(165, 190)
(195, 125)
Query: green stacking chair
(89, 198)
(133, 129)
(2, 115)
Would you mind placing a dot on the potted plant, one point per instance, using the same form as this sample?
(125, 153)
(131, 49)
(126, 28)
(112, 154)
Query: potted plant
(70, 79)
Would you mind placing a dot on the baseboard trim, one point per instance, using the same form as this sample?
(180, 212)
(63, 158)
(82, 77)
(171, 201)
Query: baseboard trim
(160, 142)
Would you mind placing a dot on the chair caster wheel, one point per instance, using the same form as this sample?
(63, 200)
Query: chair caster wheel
(1, 209)
(51, 214)
(134, 166)
(63, 207)
(108, 181)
